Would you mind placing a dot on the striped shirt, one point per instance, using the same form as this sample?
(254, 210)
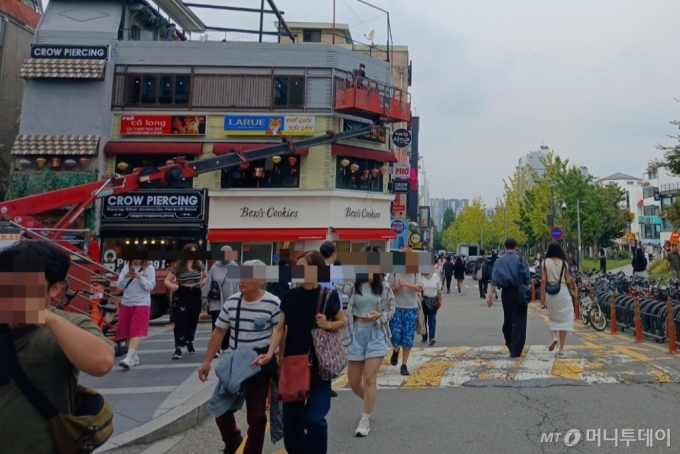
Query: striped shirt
(256, 323)
(188, 277)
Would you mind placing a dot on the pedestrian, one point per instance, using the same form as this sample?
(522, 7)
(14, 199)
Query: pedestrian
(492, 262)
(555, 280)
(432, 299)
(448, 273)
(509, 273)
(138, 278)
(603, 260)
(538, 260)
(650, 252)
(639, 263)
(459, 272)
(191, 276)
(330, 255)
(249, 316)
(278, 288)
(482, 264)
(52, 346)
(440, 268)
(673, 262)
(572, 263)
(305, 429)
(406, 287)
(218, 288)
(370, 308)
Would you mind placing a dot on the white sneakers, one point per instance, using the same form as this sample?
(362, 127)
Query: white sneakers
(127, 363)
(364, 428)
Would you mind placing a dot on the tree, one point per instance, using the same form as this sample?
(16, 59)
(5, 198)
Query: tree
(673, 214)
(448, 219)
(437, 243)
(468, 226)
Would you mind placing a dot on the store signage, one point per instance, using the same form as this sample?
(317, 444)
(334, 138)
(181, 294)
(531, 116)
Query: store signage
(362, 213)
(398, 208)
(258, 125)
(161, 125)
(401, 138)
(70, 52)
(270, 212)
(148, 206)
(379, 135)
(401, 186)
(401, 171)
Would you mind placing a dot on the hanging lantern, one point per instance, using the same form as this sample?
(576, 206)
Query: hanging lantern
(244, 165)
(25, 163)
(41, 162)
(259, 172)
(70, 163)
(276, 159)
(169, 162)
(56, 163)
(84, 162)
(383, 170)
(122, 166)
(375, 172)
(354, 167)
(292, 160)
(344, 162)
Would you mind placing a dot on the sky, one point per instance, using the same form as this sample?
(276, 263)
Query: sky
(595, 81)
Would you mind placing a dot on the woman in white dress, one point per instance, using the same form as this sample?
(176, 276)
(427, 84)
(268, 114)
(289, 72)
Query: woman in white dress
(554, 291)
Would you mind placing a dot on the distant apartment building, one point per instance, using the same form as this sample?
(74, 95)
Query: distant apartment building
(533, 160)
(439, 206)
(632, 195)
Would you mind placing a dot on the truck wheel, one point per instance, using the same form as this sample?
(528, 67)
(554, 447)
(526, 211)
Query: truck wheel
(159, 306)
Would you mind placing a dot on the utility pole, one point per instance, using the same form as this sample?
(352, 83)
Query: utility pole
(481, 226)
(578, 224)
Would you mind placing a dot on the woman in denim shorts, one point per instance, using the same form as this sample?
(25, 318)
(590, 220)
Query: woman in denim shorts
(369, 311)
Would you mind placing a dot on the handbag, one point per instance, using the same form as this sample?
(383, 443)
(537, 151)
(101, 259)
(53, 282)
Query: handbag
(330, 351)
(215, 292)
(524, 296)
(554, 289)
(87, 429)
(430, 302)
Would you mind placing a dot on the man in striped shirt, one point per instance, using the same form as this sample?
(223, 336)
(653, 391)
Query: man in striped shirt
(251, 326)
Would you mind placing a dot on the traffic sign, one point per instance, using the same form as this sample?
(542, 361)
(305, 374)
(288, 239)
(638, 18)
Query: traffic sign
(401, 138)
(401, 186)
(398, 225)
(401, 171)
(556, 233)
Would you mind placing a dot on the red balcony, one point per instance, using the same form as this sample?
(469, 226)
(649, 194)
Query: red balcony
(368, 98)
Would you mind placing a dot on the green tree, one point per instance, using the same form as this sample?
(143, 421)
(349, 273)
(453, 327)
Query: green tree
(448, 219)
(437, 243)
(468, 226)
(673, 213)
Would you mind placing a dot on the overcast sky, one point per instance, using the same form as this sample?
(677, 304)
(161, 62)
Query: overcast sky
(494, 79)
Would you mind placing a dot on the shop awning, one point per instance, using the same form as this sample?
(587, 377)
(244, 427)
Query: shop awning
(364, 153)
(171, 148)
(55, 145)
(241, 235)
(48, 68)
(229, 147)
(366, 234)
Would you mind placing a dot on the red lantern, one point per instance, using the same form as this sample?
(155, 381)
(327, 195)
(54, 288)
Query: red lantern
(354, 167)
(244, 165)
(84, 162)
(56, 163)
(383, 169)
(292, 160)
(375, 172)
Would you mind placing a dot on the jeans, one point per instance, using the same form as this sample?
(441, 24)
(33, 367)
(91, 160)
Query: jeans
(256, 416)
(225, 341)
(305, 430)
(430, 322)
(514, 321)
(187, 312)
(483, 287)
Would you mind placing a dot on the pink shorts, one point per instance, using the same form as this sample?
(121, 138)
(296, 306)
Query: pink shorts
(133, 321)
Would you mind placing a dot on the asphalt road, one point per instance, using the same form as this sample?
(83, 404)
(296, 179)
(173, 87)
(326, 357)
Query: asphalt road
(604, 382)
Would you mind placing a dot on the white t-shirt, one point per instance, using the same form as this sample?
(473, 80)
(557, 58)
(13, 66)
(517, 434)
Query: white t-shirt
(137, 292)
(431, 285)
(406, 298)
(256, 323)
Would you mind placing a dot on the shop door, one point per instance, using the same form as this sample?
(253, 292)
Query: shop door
(257, 251)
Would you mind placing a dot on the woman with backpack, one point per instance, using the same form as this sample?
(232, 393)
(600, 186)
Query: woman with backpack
(138, 278)
(555, 280)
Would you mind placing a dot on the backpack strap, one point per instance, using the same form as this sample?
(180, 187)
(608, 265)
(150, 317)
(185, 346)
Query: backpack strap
(238, 321)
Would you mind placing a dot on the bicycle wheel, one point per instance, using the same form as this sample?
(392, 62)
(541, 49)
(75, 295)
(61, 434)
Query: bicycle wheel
(597, 318)
(583, 310)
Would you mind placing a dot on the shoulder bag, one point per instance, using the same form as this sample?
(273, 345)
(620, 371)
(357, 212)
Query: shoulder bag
(87, 429)
(330, 351)
(295, 374)
(524, 295)
(215, 292)
(554, 289)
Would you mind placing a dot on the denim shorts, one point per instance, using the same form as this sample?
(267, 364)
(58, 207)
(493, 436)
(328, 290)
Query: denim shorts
(369, 341)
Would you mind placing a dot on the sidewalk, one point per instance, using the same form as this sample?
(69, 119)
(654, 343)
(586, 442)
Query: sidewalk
(160, 396)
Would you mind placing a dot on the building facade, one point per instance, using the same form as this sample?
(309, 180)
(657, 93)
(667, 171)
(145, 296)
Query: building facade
(632, 194)
(533, 160)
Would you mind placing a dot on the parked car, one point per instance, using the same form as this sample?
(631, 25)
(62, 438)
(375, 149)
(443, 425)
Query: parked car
(470, 264)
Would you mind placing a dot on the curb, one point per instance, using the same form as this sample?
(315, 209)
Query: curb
(181, 418)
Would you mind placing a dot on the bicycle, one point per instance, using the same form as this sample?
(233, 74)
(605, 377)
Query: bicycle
(591, 312)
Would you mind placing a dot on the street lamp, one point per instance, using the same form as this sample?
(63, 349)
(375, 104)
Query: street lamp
(578, 226)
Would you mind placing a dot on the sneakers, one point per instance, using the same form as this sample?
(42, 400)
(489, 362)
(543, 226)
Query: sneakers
(190, 348)
(394, 360)
(178, 354)
(404, 370)
(364, 428)
(432, 342)
(127, 363)
(424, 339)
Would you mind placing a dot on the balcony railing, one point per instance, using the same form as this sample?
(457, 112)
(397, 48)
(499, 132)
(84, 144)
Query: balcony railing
(365, 97)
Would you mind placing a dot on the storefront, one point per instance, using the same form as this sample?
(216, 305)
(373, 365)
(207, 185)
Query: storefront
(271, 225)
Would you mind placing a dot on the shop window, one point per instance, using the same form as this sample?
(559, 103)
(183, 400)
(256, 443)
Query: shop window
(128, 163)
(311, 36)
(113, 247)
(264, 173)
(153, 89)
(289, 91)
(361, 174)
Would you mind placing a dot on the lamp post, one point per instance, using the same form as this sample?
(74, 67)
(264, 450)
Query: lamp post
(578, 226)
(481, 227)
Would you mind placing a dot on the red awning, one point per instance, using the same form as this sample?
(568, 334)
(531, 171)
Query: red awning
(640, 203)
(240, 235)
(228, 147)
(171, 148)
(366, 234)
(365, 153)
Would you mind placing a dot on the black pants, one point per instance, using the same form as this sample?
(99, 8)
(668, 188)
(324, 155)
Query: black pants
(225, 341)
(603, 265)
(187, 312)
(514, 321)
(483, 287)
(448, 282)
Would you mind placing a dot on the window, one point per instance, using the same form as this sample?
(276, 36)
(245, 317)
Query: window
(361, 174)
(651, 210)
(648, 192)
(289, 91)
(156, 160)
(152, 89)
(311, 36)
(264, 173)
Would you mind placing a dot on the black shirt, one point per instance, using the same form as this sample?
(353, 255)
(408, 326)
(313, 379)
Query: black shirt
(448, 269)
(299, 308)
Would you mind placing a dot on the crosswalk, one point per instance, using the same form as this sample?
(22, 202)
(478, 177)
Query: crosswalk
(446, 367)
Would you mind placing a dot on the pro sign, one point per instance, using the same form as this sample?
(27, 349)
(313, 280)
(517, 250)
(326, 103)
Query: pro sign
(401, 171)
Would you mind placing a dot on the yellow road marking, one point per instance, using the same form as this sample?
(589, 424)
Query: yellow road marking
(430, 374)
(631, 353)
(660, 376)
(243, 445)
(567, 368)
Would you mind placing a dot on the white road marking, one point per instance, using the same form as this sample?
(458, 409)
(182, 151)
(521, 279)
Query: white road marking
(163, 446)
(537, 363)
